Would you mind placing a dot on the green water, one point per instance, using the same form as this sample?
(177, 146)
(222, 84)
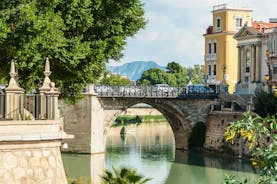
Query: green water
(150, 149)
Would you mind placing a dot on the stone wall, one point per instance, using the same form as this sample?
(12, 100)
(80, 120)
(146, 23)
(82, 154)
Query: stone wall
(77, 120)
(31, 163)
(217, 123)
(85, 120)
(30, 152)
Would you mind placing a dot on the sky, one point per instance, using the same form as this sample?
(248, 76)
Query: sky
(175, 28)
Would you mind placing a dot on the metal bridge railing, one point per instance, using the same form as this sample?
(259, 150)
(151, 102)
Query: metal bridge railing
(155, 91)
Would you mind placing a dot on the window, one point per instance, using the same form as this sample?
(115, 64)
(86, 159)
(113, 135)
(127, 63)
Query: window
(214, 69)
(210, 48)
(271, 46)
(246, 79)
(247, 61)
(274, 69)
(218, 24)
(238, 23)
(209, 69)
(215, 48)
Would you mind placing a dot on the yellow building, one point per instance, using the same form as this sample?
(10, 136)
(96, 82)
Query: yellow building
(221, 53)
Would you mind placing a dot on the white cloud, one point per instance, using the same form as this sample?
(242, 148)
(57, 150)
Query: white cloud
(175, 29)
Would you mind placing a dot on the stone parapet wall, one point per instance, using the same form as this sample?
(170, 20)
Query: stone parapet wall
(31, 163)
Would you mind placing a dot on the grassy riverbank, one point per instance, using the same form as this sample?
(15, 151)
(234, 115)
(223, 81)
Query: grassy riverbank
(124, 120)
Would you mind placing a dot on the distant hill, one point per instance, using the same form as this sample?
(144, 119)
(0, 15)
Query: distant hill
(133, 70)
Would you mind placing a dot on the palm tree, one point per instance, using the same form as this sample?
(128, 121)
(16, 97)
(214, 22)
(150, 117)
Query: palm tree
(124, 176)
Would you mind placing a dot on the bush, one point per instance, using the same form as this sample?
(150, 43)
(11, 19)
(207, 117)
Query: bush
(265, 104)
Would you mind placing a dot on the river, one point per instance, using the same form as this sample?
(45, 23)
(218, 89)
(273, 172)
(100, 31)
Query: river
(149, 148)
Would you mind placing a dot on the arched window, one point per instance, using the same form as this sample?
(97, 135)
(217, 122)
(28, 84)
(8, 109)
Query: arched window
(218, 24)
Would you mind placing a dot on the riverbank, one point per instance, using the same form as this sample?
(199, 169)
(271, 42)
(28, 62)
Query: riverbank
(129, 119)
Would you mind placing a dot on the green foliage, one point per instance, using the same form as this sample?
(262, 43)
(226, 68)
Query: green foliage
(157, 76)
(265, 103)
(176, 75)
(255, 130)
(115, 80)
(79, 36)
(124, 120)
(196, 74)
(198, 134)
(232, 180)
(174, 67)
(123, 176)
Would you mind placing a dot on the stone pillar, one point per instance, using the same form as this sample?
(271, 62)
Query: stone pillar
(258, 64)
(48, 96)
(14, 97)
(98, 139)
(242, 62)
(253, 64)
(239, 64)
(181, 139)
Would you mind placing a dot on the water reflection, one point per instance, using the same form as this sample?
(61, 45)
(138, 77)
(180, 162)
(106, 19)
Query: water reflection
(84, 166)
(150, 149)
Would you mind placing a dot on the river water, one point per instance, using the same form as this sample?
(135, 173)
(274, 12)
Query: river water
(149, 148)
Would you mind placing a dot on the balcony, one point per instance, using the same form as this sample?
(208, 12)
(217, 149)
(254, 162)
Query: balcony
(211, 57)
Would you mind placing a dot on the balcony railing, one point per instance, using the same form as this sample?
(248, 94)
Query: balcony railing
(211, 57)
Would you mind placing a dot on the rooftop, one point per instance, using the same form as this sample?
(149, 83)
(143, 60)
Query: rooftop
(229, 7)
(260, 26)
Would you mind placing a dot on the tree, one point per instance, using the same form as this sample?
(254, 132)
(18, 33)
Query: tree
(265, 103)
(255, 130)
(124, 176)
(196, 74)
(157, 76)
(79, 36)
(115, 80)
(174, 67)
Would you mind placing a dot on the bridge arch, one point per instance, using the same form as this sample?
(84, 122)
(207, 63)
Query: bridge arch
(181, 114)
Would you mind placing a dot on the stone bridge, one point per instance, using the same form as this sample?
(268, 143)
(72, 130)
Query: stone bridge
(90, 120)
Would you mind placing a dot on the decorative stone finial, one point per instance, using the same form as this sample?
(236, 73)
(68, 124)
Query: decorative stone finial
(12, 70)
(46, 83)
(13, 84)
(47, 71)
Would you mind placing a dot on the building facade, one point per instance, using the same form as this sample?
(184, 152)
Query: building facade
(221, 61)
(270, 41)
(252, 66)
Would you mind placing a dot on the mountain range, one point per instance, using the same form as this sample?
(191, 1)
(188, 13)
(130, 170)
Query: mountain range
(133, 70)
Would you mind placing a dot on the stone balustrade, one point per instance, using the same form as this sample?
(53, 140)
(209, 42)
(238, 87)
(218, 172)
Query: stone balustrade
(31, 132)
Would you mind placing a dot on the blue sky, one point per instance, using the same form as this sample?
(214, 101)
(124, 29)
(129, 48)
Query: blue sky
(175, 29)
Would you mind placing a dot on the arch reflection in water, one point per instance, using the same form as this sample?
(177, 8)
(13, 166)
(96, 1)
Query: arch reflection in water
(150, 149)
